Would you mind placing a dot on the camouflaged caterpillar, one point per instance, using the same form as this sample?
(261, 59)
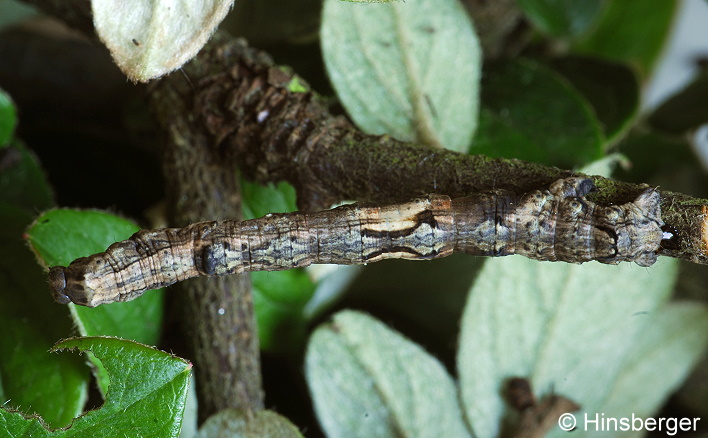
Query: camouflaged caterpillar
(557, 224)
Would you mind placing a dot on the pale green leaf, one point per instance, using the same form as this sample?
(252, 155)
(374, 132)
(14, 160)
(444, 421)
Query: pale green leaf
(659, 359)
(568, 328)
(407, 69)
(14, 12)
(368, 381)
(232, 423)
(606, 165)
(148, 38)
(191, 407)
(370, 1)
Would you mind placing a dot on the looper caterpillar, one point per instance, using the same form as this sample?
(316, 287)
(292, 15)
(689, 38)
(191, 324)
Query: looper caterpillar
(557, 224)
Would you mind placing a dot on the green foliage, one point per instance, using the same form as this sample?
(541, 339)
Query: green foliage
(565, 330)
(30, 380)
(611, 89)
(685, 111)
(259, 200)
(560, 18)
(552, 322)
(60, 236)
(22, 182)
(631, 31)
(8, 119)
(367, 380)
(54, 387)
(14, 12)
(667, 161)
(147, 401)
(410, 70)
(235, 424)
(587, 105)
(661, 150)
(369, 1)
(566, 133)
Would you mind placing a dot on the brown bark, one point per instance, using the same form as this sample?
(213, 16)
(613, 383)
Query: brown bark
(243, 101)
(276, 134)
(218, 313)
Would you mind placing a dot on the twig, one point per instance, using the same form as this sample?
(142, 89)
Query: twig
(537, 418)
(219, 312)
(243, 100)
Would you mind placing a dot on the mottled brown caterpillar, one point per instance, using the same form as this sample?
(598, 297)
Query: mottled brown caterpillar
(557, 224)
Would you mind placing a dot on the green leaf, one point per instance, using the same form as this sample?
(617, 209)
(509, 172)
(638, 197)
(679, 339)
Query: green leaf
(261, 424)
(13, 12)
(54, 387)
(146, 396)
(260, 200)
(280, 297)
(22, 181)
(532, 113)
(60, 236)
(662, 160)
(565, 327)
(673, 340)
(367, 380)
(296, 86)
(631, 31)
(684, 111)
(410, 70)
(8, 119)
(63, 235)
(561, 18)
(611, 89)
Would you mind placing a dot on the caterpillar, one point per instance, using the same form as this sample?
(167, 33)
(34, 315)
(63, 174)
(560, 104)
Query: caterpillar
(553, 224)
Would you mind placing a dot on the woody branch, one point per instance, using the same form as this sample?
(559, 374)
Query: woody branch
(244, 102)
(245, 107)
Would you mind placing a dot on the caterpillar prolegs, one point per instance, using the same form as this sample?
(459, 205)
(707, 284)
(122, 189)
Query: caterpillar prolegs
(555, 224)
